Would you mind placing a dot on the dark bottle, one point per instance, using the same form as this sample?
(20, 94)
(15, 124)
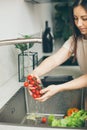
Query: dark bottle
(47, 39)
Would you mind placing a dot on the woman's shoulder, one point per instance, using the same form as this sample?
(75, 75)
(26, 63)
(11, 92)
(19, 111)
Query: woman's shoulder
(70, 38)
(69, 44)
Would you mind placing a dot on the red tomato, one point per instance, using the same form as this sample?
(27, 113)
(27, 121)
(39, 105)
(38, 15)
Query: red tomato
(37, 92)
(26, 84)
(43, 119)
(32, 82)
(34, 95)
(29, 77)
(33, 90)
(39, 95)
(35, 87)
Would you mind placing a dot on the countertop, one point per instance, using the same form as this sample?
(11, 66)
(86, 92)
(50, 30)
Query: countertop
(9, 127)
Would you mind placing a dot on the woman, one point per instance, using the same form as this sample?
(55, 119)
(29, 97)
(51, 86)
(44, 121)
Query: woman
(76, 44)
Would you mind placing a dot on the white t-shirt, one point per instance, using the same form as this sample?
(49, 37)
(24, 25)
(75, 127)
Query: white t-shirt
(81, 52)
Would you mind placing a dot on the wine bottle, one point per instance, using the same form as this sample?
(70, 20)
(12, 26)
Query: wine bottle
(47, 39)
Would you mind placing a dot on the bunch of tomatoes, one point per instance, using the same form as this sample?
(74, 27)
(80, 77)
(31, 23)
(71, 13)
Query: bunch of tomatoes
(35, 86)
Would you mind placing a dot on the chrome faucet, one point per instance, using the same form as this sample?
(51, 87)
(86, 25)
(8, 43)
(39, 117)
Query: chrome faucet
(20, 40)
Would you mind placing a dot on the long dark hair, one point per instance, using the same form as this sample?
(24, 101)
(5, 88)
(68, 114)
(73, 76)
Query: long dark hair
(76, 33)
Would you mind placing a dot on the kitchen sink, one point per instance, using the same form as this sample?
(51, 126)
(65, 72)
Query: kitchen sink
(23, 110)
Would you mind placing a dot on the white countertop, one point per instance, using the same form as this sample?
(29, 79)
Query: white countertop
(10, 127)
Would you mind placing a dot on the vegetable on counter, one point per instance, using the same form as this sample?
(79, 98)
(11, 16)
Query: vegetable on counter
(76, 119)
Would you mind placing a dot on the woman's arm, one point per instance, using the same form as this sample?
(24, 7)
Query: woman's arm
(77, 83)
(51, 62)
(51, 90)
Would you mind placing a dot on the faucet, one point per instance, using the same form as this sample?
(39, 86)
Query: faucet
(20, 40)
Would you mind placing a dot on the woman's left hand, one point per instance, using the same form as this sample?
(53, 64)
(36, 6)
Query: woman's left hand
(48, 92)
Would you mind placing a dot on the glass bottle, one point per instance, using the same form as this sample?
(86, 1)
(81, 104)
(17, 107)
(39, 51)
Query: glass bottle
(47, 39)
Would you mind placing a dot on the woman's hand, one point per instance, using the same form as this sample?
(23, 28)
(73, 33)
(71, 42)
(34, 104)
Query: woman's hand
(48, 92)
(33, 81)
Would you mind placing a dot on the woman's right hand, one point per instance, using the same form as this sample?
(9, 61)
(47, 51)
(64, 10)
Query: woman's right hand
(33, 80)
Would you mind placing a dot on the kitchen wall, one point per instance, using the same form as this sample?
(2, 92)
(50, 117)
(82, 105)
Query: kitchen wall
(18, 17)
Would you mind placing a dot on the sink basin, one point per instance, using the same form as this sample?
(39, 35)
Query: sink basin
(15, 109)
(22, 109)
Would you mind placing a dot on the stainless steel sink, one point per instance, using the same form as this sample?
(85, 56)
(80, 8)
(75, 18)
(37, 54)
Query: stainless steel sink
(22, 109)
(15, 109)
